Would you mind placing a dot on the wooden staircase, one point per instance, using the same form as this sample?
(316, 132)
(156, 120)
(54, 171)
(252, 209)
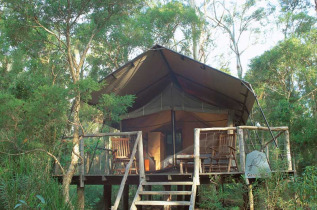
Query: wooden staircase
(141, 194)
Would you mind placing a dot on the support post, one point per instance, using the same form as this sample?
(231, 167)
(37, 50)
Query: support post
(173, 137)
(141, 157)
(81, 197)
(80, 188)
(251, 202)
(82, 163)
(288, 151)
(241, 149)
(126, 197)
(196, 156)
(230, 121)
(107, 196)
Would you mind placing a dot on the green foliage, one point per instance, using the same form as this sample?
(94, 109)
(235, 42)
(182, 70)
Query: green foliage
(285, 81)
(25, 180)
(273, 193)
(294, 17)
(306, 188)
(37, 91)
(40, 116)
(93, 195)
(85, 87)
(281, 191)
(114, 106)
(40, 205)
(225, 196)
(140, 31)
(11, 110)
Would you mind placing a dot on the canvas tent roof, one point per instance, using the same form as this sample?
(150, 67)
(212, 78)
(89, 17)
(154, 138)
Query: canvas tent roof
(149, 75)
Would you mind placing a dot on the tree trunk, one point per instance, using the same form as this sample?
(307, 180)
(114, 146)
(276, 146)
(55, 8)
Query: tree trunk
(239, 66)
(75, 153)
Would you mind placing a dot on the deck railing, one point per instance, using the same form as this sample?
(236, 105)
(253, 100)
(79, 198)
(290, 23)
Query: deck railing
(248, 139)
(97, 155)
(138, 143)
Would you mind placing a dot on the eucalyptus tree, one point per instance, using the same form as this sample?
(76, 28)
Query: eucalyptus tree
(285, 79)
(295, 18)
(68, 29)
(238, 20)
(202, 33)
(165, 24)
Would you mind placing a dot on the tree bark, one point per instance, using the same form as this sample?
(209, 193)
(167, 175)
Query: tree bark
(75, 153)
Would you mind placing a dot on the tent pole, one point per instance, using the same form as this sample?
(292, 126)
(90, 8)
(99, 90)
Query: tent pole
(173, 136)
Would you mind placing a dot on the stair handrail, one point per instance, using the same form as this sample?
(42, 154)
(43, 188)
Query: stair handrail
(138, 142)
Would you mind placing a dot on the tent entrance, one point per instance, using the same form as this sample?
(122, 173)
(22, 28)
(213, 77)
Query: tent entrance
(157, 133)
(169, 145)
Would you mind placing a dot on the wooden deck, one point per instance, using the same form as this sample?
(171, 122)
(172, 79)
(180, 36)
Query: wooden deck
(133, 179)
(250, 138)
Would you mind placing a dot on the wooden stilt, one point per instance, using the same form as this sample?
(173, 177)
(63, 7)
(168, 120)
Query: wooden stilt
(81, 197)
(107, 196)
(125, 197)
(251, 203)
(288, 151)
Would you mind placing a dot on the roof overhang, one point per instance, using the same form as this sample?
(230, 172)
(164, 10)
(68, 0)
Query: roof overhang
(148, 75)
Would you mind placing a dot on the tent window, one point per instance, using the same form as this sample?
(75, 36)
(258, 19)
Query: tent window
(169, 143)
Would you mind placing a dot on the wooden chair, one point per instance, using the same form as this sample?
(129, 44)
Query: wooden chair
(222, 156)
(121, 155)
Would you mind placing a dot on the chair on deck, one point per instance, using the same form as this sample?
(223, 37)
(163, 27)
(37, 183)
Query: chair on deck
(121, 155)
(222, 156)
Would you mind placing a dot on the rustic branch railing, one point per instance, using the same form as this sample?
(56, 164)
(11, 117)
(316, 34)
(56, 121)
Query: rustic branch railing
(139, 143)
(243, 136)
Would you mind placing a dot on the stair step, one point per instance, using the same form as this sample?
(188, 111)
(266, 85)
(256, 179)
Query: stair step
(165, 193)
(162, 203)
(167, 183)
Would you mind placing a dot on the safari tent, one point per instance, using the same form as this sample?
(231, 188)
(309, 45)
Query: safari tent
(188, 123)
(174, 95)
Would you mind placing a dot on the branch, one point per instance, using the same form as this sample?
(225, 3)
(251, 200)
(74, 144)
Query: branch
(80, 13)
(95, 31)
(83, 56)
(49, 31)
(311, 92)
(78, 155)
(37, 150)
(69, 54)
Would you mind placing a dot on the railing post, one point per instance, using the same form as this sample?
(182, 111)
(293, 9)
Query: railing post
(196, 156)
(141, 157)
(288, 151)
(81, 187)
(241, 148)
